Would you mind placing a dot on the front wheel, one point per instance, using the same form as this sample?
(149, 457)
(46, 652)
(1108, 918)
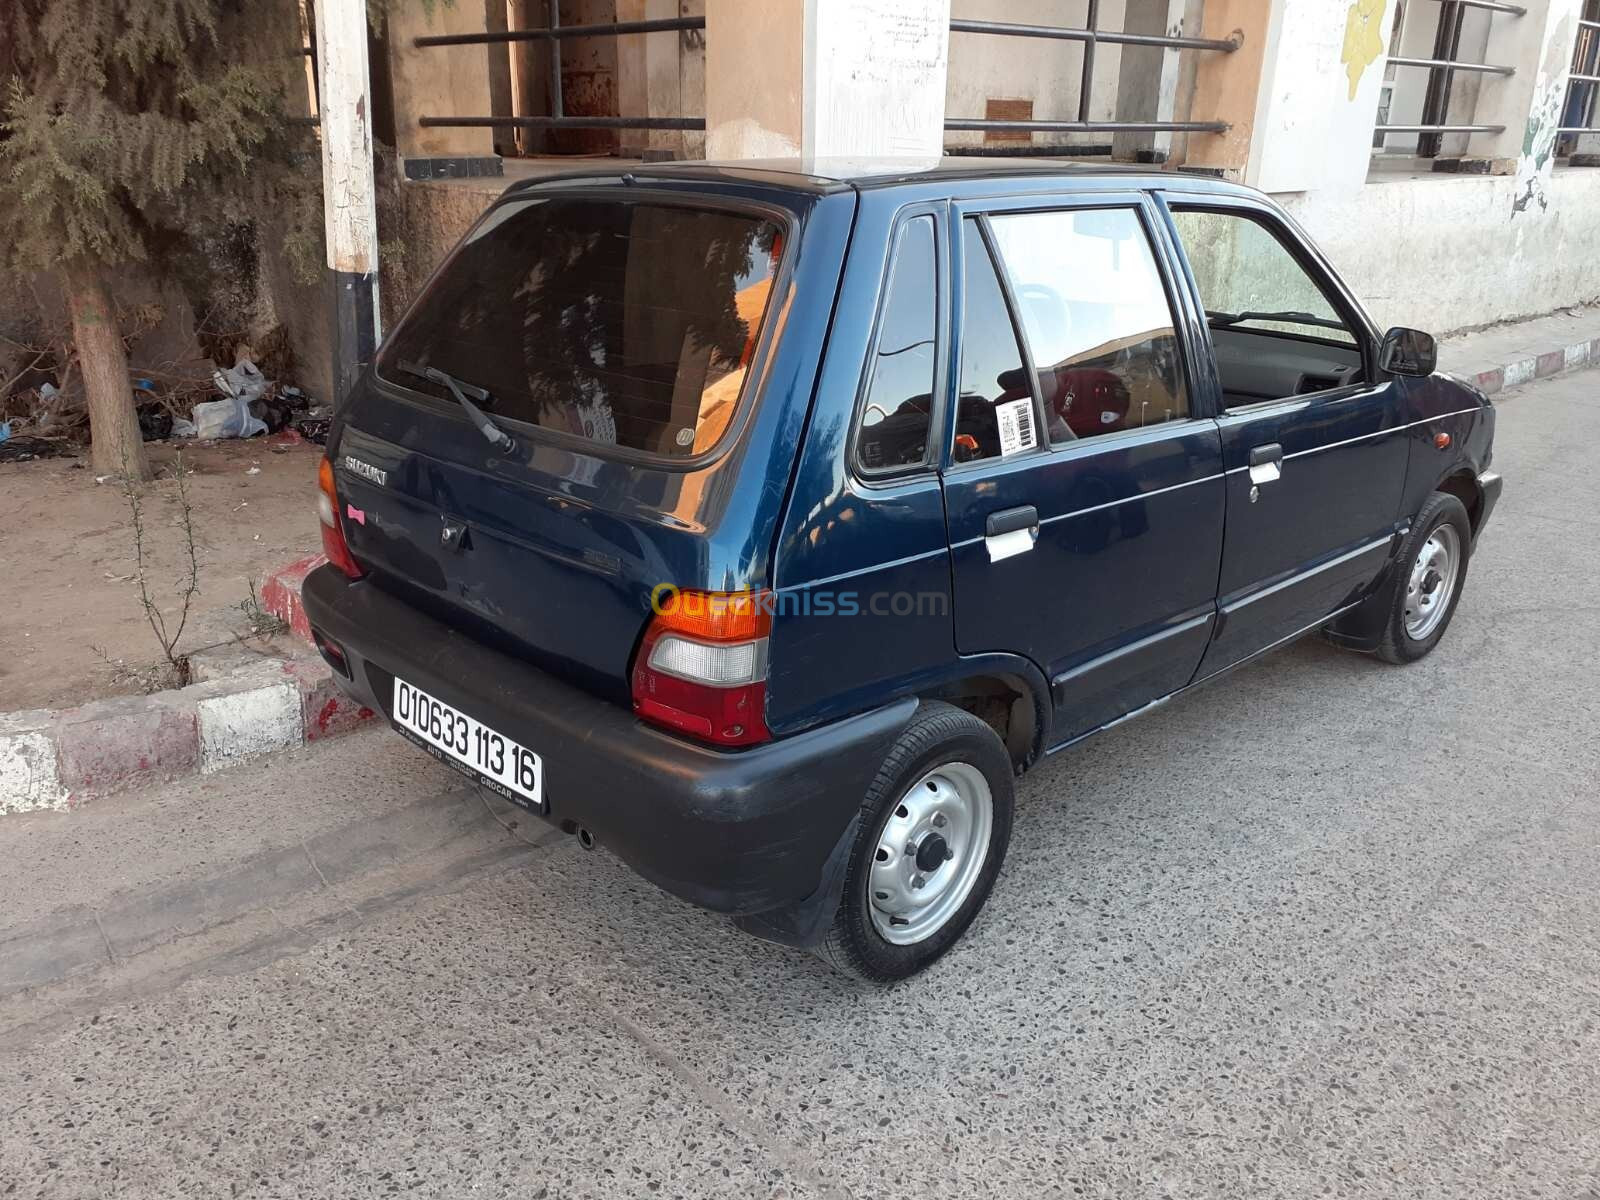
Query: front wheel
(1431, 572)
(933, 833)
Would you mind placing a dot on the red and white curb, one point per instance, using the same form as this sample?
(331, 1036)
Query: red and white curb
(1539, 366)
(57, 759)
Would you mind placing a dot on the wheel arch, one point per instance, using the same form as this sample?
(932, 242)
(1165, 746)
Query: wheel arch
(1462, 483)
(1006, 693)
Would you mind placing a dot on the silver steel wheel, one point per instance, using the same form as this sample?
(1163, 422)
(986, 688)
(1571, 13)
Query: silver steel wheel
(930, 853)
(1433, 581)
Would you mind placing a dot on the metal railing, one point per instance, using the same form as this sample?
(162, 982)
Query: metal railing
(1091, 35)
(1442, 68)
(555, 33)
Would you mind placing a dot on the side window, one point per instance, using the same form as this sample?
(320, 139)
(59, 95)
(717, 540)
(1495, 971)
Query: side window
(994, 412)
(1098, 324)
(1248, 279)
(898, 412)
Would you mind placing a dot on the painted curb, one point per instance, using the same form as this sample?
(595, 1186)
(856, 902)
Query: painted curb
(57, 759)
(1539, 366)
(280, 593)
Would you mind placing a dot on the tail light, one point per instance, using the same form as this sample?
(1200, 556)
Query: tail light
(333, 543)
(702, 667)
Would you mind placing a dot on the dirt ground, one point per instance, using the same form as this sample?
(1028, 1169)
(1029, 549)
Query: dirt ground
(67, 560)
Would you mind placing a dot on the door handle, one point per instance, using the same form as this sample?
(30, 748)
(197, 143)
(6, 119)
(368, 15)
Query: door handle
(1011, 531)
(1266, 464)
(1009, 520)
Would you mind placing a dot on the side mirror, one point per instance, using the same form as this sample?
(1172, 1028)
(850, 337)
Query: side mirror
(1408, 352)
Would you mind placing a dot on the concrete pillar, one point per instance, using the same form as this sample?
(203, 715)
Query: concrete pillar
(826, 78)
(1227, 87)
(1319, 75)
(1147, 84)
(348, 191)
(1539, 45)
(648, 79)
(496, 20)
(440, 81)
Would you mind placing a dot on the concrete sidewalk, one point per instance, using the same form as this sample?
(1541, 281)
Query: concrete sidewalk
(1503, 356)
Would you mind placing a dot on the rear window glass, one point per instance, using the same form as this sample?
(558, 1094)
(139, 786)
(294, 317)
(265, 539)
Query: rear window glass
(630, 324)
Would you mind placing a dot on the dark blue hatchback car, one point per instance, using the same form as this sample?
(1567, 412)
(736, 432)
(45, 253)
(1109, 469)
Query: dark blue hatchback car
(762, 523)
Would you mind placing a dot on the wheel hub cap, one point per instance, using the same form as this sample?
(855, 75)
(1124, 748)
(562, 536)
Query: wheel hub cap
(1432, 582)
(930, 853)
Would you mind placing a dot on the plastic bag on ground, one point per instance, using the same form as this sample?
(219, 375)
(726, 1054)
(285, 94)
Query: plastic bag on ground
(228, 418)
(243, 380)
(231, 417)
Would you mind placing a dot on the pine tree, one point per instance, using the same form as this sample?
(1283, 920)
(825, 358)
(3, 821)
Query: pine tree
(124, 123)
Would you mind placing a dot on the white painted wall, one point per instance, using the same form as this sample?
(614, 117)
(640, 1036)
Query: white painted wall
(1449, 252)
(1311, 130)
(825, 78)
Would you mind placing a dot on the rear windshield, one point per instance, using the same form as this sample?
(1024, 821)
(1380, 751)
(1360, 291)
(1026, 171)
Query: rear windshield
(629, 324)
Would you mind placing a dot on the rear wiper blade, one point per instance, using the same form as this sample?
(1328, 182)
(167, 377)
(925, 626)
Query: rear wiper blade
(497, 437)
(1299, 318)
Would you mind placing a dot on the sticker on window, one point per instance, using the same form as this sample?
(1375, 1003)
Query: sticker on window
(1015, 421)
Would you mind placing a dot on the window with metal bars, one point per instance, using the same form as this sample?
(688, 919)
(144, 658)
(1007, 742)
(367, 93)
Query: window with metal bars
(1580, 109)
(1440, 52)
(1125, 64)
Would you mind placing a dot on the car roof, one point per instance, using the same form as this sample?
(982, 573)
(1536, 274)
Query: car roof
(821, 175)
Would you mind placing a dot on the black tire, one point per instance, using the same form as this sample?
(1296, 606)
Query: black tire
(938, 735)
(1398, 645)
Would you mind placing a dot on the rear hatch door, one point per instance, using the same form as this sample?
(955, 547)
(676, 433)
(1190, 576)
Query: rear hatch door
(613, 335)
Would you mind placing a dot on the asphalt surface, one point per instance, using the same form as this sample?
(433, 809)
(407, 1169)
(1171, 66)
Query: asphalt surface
(1329, 929)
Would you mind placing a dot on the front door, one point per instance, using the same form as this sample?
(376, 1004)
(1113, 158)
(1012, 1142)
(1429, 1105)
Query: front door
(1083, 489)
(1312, 442)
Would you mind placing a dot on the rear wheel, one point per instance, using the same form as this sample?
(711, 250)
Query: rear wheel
(933, 833)
(1431, 571)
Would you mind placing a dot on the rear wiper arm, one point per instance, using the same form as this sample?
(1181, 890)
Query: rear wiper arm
(497, 437)
(1299, 318)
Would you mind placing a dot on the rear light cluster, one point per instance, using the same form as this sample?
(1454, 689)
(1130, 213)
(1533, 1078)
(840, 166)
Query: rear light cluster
(702, 667)
(333, 543)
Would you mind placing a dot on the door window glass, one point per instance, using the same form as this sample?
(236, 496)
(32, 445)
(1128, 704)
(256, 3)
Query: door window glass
(995, 413)
(899, 403)
(1097, 320)
(1248, 280)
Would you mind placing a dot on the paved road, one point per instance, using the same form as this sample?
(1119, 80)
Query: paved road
(1332, 929)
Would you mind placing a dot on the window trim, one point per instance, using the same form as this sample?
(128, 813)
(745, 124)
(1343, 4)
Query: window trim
(1299, 246)
(938, 405)
(772, 320)
(1176, 289)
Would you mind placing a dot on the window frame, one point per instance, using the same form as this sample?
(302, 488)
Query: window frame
(1178, 291)
(1306, 256)
(938, 397)
(760, 359)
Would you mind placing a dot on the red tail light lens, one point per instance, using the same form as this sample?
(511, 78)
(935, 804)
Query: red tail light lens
(702, 666)
(333, 543)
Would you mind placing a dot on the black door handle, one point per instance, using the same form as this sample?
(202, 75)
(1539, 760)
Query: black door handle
(1261, 455)
(1010, 520)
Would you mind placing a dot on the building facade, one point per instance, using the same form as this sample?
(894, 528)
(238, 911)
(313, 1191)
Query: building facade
(1440, 151)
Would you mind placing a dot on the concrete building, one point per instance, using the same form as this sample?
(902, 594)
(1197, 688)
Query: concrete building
(1434, 148)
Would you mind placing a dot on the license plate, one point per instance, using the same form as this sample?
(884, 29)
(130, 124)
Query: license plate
(470, 746)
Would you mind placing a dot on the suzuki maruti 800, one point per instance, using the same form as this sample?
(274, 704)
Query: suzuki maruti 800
(761, 524)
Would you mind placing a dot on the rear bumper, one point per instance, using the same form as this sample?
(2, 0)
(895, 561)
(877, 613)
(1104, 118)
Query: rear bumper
(742, 832)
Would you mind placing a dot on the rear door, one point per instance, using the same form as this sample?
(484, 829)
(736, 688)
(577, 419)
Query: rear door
(1083, 487)
(1314, 448)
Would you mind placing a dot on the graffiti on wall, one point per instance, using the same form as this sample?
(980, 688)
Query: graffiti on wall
(1544, 118)
(1363, 39)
